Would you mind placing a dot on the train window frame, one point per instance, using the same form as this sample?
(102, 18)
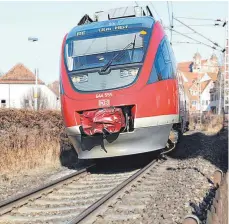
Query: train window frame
(161, 64)
(172, 57)
(154, 77)
(164, 66)
(165, 52)
(136, 30)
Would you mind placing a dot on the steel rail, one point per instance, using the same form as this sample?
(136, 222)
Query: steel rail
(21, 199)
(81, 217)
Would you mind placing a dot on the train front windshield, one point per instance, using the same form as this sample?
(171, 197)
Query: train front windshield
(86, 57)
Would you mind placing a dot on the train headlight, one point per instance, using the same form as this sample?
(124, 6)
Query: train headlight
(79, 78)
(128, 72)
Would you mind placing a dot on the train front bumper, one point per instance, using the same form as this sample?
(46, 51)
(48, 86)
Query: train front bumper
(139, 141)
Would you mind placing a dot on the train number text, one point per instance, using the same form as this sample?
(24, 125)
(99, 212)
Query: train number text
(101, 95)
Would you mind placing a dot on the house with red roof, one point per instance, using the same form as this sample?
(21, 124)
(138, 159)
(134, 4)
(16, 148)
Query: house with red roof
(199, 76)
(17, 90)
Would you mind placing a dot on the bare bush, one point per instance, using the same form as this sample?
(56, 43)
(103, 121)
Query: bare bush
(27, 102)
(31, 139)
(209, 122)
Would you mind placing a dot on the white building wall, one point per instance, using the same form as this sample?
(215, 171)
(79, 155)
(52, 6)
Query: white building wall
(53, 99)
(215, 101)
(14, 94)
(205, 96)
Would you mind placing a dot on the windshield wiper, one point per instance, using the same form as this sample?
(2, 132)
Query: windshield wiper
(121, 53)
(133, 47)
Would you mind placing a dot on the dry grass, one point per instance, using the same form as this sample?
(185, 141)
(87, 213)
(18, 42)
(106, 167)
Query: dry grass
(210, 123)
(29, 140)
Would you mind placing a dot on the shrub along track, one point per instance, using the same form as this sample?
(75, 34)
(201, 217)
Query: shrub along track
(84, 195)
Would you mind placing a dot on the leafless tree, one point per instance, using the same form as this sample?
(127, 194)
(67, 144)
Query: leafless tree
(27, 100)
(1, 73)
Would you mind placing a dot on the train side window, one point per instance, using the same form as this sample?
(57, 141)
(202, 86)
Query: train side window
(165, 52)
(172, 59)
(153, 76)
(162, 67)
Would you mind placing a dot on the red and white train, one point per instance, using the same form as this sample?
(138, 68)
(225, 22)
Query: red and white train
(120, 93)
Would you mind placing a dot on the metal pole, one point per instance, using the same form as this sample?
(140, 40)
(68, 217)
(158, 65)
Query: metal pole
(9, 95)
(35, 39)
(226, 76)
(220, 93)
(199, 117)
(171, 39)
(35, 92)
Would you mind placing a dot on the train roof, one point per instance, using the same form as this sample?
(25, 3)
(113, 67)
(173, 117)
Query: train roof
(145, 21)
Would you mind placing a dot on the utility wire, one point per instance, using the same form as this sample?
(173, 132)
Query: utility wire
(182, 42)
(216, 24)
(170, 23)
(218, 20)
(199, 33)
(183, 33)
(169, 14)
(154, 9)
(213, 47)
(172, 12)
(172, 5)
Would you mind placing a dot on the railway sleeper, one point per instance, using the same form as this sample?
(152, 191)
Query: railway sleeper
(89, 187)
(72, 190)
(127, 200)
(56, 203)
(118, 217)
(37, 209)
(60, 218)
(77, 196)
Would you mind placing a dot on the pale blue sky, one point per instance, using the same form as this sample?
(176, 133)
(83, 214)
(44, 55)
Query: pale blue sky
(50, 21)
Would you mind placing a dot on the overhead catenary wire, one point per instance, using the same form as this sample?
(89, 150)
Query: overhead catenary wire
(216, 24)
(172, 13)
(199, 33)
(170, 23)
(193, 18)
(185, 42)
(213, 47)
(154, 9)
(184, 33)
(169, 14)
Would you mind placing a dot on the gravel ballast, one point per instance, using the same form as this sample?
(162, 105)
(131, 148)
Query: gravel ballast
(186, 188)
(11, 186)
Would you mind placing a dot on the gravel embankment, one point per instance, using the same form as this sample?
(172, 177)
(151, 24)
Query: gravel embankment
(17, 184)
(188, 189)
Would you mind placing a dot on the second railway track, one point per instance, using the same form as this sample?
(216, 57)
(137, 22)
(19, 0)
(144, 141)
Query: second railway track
(85, 197)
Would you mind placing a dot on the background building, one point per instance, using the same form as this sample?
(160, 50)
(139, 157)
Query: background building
(199, 77)
(17, 90)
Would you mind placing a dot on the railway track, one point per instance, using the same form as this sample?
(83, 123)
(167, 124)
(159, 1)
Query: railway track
(87, 196)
